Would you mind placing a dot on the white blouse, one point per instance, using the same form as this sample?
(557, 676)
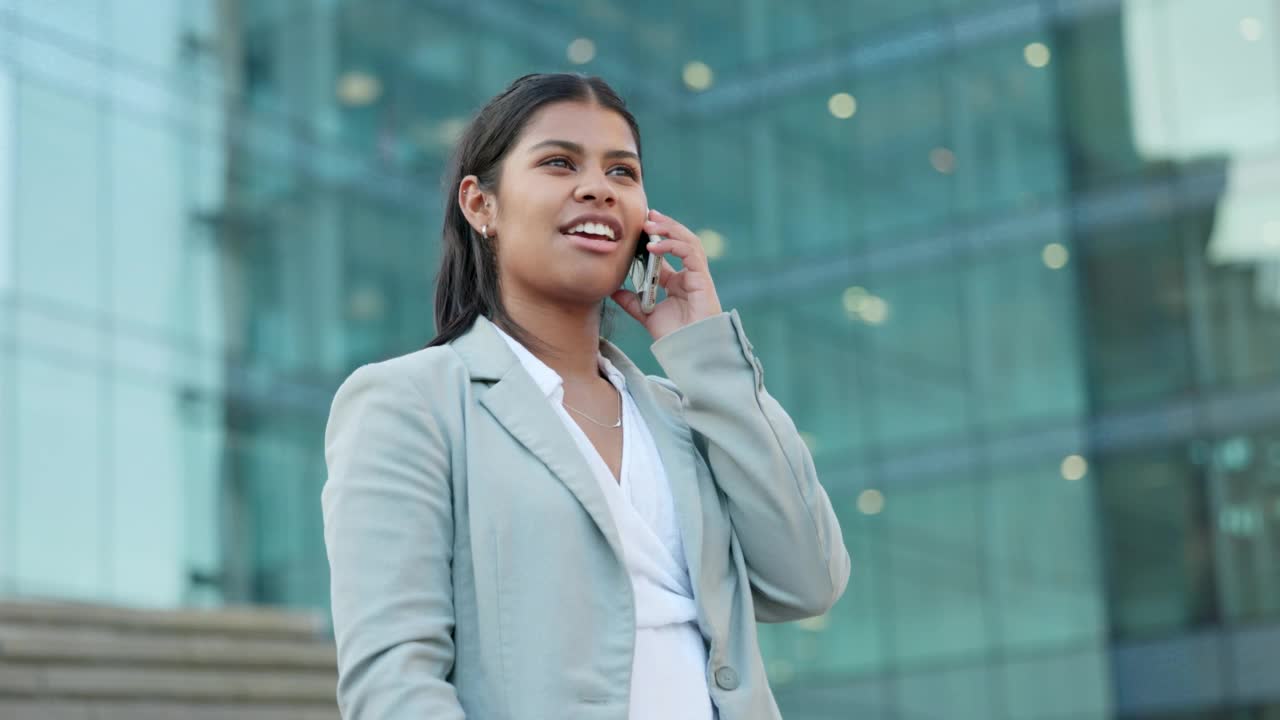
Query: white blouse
(668, 678)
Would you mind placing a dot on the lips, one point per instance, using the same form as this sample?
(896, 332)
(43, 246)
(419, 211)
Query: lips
(601, 245)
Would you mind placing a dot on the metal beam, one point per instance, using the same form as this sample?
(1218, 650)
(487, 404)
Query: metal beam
(517, 22)
(1159, 198)
(931, 39)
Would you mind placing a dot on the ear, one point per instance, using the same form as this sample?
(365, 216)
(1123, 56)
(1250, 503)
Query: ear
(479, 206)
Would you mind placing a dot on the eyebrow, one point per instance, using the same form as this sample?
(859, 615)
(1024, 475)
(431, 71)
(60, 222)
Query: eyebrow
(577, 149)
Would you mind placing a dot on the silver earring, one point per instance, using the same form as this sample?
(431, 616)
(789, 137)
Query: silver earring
(484, 231)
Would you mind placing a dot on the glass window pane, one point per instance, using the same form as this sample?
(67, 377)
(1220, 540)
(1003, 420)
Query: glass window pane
(59, 202)
(278, 546)
(917, 355)
(936, 571)
(1021, 327)
(8, 244)
(147, 495)
(1245, 469)
(60, 539)
(80, 18)
(1075, 684)
(203, 437)
(963, 693)
(1004, 126)
(146, 217)
(865, 699)
(1134, 276)
(904, 162)
(1157, 542)
(1095, 104)
(8, 457)
(1043, 558)
(1240, 305)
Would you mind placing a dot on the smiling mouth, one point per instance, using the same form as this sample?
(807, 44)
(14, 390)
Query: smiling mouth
(592, 231)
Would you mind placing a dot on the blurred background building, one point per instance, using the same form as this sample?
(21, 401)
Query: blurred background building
(1012, 265)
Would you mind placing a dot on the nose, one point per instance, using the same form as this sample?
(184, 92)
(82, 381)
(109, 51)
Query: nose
(595, 188)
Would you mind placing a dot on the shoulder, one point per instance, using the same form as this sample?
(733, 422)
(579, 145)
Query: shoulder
(430, 377)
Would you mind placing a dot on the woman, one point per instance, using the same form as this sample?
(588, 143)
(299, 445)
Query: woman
(519, 523)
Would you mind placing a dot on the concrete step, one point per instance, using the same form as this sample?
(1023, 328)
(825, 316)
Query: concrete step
(86, 662)
(76, 680)
(90, 644)
(43, 709)
(254, 622)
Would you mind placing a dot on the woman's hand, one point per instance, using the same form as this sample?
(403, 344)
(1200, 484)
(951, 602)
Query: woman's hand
(691, 295)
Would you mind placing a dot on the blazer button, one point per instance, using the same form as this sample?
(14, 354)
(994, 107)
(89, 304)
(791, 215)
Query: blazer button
(727, 678)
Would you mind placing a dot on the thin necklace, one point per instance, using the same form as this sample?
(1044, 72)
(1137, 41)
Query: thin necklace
(593, 420)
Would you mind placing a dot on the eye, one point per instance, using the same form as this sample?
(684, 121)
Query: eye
(626, 170)
(559, 162)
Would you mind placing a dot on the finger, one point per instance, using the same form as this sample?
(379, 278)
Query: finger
(669, 222)
(670, 227)
(688, 249)
(630, 302)
(690, 256)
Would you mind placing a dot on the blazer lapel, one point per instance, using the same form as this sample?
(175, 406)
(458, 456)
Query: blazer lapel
(677, 453)
(518, 404)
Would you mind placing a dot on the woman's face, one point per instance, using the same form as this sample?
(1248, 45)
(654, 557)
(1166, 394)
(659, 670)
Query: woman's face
(570, 205)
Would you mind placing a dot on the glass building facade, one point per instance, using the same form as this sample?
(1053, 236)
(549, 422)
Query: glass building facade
(1013, 266)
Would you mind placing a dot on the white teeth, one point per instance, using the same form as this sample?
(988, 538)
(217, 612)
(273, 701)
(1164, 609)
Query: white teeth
(594, 229)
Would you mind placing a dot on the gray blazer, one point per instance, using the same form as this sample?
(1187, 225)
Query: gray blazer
(476, 571)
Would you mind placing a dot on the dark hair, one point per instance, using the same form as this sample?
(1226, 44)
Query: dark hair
(467, 284)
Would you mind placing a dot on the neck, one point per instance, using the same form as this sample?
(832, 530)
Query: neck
(570, 336)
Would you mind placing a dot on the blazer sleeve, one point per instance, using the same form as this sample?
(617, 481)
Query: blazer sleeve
(388, 529)
(795, 555)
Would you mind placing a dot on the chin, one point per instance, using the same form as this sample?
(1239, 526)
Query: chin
(579, 292)
(594, 281)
